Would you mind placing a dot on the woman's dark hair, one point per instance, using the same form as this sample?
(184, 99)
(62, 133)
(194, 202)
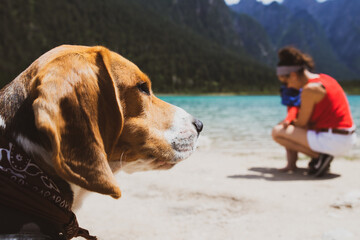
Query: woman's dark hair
(291, 56)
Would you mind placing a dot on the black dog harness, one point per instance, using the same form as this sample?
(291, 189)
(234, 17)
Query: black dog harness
(28, 194)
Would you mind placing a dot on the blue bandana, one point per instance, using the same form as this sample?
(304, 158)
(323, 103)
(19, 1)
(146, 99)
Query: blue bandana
(290, 96)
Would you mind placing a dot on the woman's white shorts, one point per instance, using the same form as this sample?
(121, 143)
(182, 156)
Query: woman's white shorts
(330, 143)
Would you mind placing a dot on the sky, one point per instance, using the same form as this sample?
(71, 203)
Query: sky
(264, 1)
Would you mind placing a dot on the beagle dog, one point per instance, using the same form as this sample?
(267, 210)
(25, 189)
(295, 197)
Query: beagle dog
(84, 113)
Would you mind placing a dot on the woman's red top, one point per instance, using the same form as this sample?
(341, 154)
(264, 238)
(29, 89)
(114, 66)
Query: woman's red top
(333, 111)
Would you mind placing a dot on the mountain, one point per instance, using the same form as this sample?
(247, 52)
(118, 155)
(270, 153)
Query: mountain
(275, 18)
(183, 45)
(300, 4)
(213, 20)
(256, 41)
(305, 24)
(305, 33)
(341, 21)
(177, 57)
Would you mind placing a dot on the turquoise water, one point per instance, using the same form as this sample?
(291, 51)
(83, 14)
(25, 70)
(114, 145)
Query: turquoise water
(241, 124)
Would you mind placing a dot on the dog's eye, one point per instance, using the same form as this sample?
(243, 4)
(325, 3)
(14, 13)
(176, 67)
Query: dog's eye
(143, 87)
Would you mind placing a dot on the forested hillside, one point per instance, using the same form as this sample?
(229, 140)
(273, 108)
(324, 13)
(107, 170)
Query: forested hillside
(175, 57)
(213, 20)
(186, 46)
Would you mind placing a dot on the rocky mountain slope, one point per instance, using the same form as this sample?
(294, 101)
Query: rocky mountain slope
(316, 28)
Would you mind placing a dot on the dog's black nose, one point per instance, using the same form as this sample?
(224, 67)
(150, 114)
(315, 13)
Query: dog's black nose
(198, 125)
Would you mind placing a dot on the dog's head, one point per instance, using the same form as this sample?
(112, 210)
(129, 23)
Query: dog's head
(97, 109)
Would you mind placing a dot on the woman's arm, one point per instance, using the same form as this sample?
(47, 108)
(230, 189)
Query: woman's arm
(312, 94)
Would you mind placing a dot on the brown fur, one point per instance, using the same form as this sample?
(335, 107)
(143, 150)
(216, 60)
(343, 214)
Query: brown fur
(83, 106)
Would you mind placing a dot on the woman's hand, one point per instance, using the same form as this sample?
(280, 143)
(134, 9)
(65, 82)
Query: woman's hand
(285, 123)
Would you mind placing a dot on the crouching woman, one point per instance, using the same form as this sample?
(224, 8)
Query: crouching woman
(324, 127)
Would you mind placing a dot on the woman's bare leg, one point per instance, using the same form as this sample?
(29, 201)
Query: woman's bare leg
(293, 139)
(292, 157)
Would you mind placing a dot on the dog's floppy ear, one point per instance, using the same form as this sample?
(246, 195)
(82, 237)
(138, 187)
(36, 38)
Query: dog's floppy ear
(76, 106)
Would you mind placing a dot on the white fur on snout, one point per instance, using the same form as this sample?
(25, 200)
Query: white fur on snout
(182, 135)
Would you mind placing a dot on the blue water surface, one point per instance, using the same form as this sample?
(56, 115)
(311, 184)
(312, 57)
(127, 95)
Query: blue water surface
(241, 123)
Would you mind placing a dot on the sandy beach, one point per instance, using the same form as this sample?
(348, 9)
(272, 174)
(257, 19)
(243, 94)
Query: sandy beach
(215, 195)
